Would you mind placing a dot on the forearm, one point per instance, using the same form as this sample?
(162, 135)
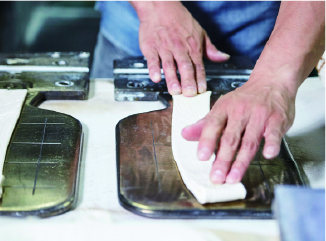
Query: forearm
(295, 45)
(144, 9)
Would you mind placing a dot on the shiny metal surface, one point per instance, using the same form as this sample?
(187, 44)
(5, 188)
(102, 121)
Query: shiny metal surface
(41, 168)
(131, 83)
(150, 185)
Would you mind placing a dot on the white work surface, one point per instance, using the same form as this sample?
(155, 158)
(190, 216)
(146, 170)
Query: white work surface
(98, 215)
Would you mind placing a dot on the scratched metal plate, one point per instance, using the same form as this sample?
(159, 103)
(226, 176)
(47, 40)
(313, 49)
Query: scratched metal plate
(41, 168)
(150, 185)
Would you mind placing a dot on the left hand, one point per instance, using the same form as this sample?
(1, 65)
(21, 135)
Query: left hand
(169, 33)
(238, 121)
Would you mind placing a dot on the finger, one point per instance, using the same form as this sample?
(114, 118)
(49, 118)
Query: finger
(196, 55)
(273, 136)
(153, 64)
(200, 74)
(187, 73)
(249, 146)
(212, 53)
(170, 73)
(227, 148)
(193, 132)
(214, 124)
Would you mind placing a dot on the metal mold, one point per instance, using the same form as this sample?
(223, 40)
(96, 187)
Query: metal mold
(41, 168)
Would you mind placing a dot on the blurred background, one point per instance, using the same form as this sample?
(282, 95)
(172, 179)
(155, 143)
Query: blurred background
(44, 26)
(33, 26)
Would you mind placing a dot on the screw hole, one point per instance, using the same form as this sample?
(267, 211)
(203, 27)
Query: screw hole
(236, 84)
(60, 62)
(64, 83)
(132, 84)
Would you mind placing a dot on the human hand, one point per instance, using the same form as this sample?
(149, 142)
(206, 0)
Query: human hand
(238, 121)
(169, 33)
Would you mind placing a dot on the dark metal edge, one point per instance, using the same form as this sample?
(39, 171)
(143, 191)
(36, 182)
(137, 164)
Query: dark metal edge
(304, 180)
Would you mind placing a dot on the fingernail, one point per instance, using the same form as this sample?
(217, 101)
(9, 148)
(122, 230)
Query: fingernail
(156, 77)
(186, 127)
(176, 90)
(217, 177)
(224, 54)
(269, 152)
(233, 177)
(201, 88)
(184, 131)
(190, 91)
(204, 154)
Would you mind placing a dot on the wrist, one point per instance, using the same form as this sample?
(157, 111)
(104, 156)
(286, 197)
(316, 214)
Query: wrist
(285, 71)
(266, 76)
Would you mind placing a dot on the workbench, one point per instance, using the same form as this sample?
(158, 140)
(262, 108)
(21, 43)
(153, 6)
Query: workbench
(98, 215)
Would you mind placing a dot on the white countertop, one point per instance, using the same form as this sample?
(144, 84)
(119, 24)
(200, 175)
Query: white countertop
(98, 215)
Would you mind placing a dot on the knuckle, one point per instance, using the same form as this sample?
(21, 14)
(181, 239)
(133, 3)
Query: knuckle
(249, 145)
(186, 65)
(153, 59)
(262, 110)
(240, 110)
(220, 104)
(186, 82)
(230, 140)
(282, 117)
(241, 164)
(169, 65)
(280, 121)
(213, 122)
(200, 67)
(178, 44)
(196, 50)
(216, 113)
(208, 142)
(276, 133)
(153, 65)
(153, 69)
(195, 45)
(170, 80)
(148, 45)
(165, 43)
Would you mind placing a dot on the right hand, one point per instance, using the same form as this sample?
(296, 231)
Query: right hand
(262, 107)
(169, 33)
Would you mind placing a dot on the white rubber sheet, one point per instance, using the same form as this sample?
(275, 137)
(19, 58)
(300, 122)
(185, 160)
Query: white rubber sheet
(99, 216)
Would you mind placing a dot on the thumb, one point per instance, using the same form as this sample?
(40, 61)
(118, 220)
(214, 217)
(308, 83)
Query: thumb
(193, 132)
(212, 53)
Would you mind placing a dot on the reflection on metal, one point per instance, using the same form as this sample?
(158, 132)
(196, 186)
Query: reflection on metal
(45, 62)
(138, 66)
(42, 162)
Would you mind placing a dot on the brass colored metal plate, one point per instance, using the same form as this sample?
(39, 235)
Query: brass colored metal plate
(41, 168)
